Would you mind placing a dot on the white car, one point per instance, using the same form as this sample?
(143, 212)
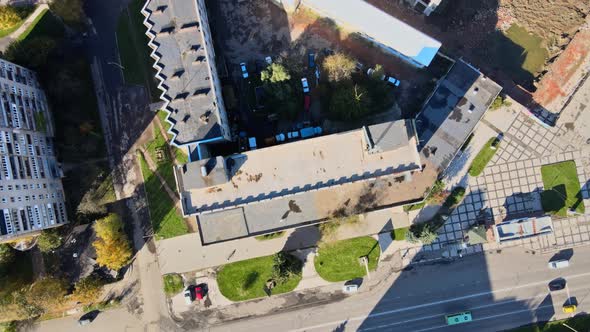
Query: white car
(392, 81)
(188, 295)
(350, 288)
(305, 85)
(244, 70)
(268, 60)
(560, 264)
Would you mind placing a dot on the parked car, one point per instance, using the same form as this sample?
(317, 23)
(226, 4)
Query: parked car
(244, 70)
(310, 132)
(350, 288)
(293, 135)
(557, 284)
(88, 317)
(569, 309)
(268, 60)
(392, 81)
(305, 85)
(188, 295)
(560, 264)
(311, 60)
(306, 103)
(252, 143)
(199, 292)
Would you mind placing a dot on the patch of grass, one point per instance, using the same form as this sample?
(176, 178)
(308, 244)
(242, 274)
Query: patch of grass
(562, 189)
(23, 13)
(180, 155)
(166, 220)
(519, 53)
(399, 234)
(159, 153)
(44, 25)
(102, 306)
(270, 236)
(412, 207)
(246, 280)
(483, 157)
(173, 284)
(134, 51)
(339, 261)
(578, 323)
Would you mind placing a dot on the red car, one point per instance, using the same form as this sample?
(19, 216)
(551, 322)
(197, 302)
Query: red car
(199, 292)
(306, 103)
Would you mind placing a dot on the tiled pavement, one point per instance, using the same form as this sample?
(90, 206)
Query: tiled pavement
(511, 185)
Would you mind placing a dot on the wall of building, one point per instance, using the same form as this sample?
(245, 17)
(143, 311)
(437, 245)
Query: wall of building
(31, 192)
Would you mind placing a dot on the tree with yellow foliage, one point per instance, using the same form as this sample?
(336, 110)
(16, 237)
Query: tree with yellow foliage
(112, 246)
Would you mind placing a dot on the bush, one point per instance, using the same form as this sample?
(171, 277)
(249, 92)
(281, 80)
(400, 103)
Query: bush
(173, 284)
(285, 267)
(87, 290)
(49, 240)
(455, 197)
(270, 236)
(499, 102)
(437, 193)
(339, 67)
(425, 233)
(6, 254)
(9, 17)
(349, 101)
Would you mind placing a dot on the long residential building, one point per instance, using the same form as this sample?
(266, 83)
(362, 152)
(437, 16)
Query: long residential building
(31, 192)
(185, 63)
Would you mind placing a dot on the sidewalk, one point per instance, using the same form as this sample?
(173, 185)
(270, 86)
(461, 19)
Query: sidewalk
(5, 42)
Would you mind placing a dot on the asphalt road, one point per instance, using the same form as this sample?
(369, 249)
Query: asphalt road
(502, 290)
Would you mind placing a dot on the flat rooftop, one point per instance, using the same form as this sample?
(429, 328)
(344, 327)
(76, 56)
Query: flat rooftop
(522, 228)
(183, 69)
(362, 17)
(308, 181)
(451, 114)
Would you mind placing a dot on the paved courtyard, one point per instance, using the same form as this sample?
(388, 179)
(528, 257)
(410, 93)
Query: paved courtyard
(511, 184)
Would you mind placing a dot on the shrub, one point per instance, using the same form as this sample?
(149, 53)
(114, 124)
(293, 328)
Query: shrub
(49, 240)
(284, 267)
(339, 67)
(6, 253)
(8, 17)
(173, 284)
(455, 197)
(87, 290)
(425, 233)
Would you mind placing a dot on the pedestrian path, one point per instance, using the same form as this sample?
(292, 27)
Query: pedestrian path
(5, 41)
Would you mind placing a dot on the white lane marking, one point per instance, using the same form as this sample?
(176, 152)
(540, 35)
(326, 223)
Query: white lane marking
(389, 312)
(470, 309)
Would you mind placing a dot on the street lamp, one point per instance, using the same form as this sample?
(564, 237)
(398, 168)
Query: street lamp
(115, 64)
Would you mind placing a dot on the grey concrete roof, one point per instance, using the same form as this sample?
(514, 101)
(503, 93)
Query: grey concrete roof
(383, 28)
(223, 225)
(520, 228)
(311, 180)
(184, 69)
(452, 112)
(388, 136)
(189, 175)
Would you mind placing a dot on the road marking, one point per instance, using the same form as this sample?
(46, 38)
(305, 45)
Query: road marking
(389, 312)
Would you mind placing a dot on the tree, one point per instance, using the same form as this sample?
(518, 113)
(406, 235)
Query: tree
(47, 292)
(275, 73)
(31, 53)
(349, 101)
(87, 290)
(284, 267)
(6, 254)
(49, 240)
(71, 11)
(112, 246)
(8, 17)
(339, 67)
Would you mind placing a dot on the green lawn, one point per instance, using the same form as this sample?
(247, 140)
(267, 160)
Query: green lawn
(173, 284)
(339, 261)
(23, 13)
(166, 220)
(562, 189)
(134, 51)
(399, 234)
(246, 280)
(483, 157)
(180, 155)
(158, 150)
(579, 323)
(412, 207)
(519, 53)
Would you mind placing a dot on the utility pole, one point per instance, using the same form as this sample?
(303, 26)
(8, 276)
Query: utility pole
(569, 327)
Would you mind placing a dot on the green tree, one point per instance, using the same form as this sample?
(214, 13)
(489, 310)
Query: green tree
(49, 240)
(8, 17)
(87, 290)
(339, 67)
(112, 246)
(275, 73)
(31, 53)
(284, 267)
(6, 254)
(71, 11)
(349, 102)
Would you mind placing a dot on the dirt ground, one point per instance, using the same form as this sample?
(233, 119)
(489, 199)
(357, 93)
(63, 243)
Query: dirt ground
(259, 28)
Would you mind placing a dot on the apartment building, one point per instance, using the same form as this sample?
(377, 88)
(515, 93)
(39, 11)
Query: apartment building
(31, 192)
